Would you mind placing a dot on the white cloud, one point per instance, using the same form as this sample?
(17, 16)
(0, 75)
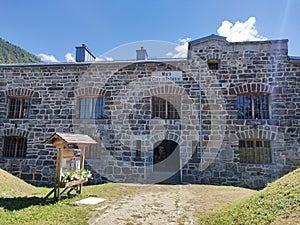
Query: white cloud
(47, 58)
(69, 57)
(240, 31)
(180, 50)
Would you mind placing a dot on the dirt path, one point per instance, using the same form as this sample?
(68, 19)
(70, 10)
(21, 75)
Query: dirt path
(164, 204)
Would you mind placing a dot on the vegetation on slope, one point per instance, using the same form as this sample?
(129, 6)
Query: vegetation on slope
(278, 202)
(10, 54)
(11, 186)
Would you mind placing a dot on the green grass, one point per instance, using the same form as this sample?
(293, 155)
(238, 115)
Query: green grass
(36, 210)
(21, 203)
(275, 203)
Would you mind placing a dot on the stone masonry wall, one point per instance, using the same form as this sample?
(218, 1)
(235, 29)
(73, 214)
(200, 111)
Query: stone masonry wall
(128, 88)
(251, 67)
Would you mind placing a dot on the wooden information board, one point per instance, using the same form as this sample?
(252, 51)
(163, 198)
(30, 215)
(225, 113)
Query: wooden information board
(70, 157)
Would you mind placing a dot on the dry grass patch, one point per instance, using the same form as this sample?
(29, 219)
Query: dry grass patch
(11, 186)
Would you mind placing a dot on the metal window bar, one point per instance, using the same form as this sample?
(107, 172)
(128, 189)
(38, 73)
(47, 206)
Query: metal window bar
(15, 147)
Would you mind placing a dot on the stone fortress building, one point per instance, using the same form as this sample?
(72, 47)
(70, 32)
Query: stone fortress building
(228, 114)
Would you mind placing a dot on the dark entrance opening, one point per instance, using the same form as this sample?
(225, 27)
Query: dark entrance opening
(166, 156)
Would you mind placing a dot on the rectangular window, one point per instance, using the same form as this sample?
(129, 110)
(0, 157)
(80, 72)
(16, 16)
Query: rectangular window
(14, 147)
(94, 151)
(255, 151)
(213, 64)
(19, 107)
(195, 149)
(91, 107)
(166, 106)
(138, 151)
(253, 106)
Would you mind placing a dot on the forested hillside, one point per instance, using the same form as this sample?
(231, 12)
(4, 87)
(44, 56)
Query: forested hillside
(10, 53)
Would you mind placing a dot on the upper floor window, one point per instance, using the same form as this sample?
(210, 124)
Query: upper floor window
(253, 106)
(166, 106)
(19, 107)
(91, 107)
(255, 151)
(14, 146)
(213, 64)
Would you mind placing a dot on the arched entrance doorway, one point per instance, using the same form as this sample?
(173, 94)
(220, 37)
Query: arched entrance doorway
(166, 156)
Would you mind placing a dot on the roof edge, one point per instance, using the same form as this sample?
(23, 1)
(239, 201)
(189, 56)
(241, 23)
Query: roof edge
(212, 36)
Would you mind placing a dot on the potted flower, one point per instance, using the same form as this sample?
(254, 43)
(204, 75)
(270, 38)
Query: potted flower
(82, 174)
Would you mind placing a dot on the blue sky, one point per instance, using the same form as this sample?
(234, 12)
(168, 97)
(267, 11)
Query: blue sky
(55, 27)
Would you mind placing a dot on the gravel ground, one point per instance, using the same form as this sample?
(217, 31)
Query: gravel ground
(166, 204)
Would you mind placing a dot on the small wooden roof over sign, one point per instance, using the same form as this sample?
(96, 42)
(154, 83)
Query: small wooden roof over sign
(68, 138)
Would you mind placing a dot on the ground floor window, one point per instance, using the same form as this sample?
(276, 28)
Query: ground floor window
(138, 150)
(94, 151)
(255, 151)
(14, 147)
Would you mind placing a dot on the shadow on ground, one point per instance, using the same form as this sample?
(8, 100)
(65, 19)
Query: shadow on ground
(22, 202)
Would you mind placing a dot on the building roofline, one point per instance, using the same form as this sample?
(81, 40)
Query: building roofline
(70, 64)
(256, 42)
(210, 37)
(221, 38)
(294, 59)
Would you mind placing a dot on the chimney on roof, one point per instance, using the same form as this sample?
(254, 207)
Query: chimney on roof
(141, 54)
(83, 54)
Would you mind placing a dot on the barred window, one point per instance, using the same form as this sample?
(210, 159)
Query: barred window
(14, 147)
(18, 107)
(91, 107)
(253, 106)
(138, 150)
(166, 106)
(195, 148)
(213, 64)
(255, 151)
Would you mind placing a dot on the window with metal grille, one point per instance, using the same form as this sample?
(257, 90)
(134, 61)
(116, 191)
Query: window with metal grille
(213, 64)
(166, 106)
(195, 149)
(18, 107)
(91, 107)
(138, 150)
(255, 151)
(253, 106)
(14, 147)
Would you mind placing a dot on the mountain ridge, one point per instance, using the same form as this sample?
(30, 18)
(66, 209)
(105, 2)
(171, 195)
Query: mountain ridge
(11, 54)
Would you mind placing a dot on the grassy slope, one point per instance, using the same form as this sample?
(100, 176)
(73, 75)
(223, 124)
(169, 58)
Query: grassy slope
(11, 186)
(277, 203)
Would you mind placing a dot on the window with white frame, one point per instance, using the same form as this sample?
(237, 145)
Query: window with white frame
(91, 107)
